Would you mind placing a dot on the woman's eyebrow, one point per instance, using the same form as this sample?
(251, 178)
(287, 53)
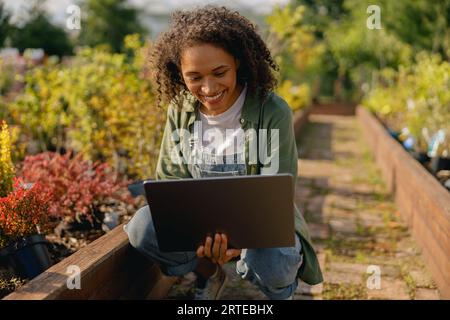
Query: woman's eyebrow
(196, 72)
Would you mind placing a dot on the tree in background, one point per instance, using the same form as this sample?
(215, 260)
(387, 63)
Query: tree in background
(4, 24)
(320, 13)
(351, 55)
(360, 52)
(39, 32)
(298, 53)
(422, 24)
(108, 22)
(318, 16)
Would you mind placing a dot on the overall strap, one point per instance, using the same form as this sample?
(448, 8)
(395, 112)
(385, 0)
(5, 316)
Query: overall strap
(261, 117)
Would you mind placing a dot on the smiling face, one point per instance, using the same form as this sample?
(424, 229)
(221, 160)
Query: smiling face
(210, 73)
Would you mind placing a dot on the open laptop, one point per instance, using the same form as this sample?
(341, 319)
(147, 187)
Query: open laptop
(253, 211)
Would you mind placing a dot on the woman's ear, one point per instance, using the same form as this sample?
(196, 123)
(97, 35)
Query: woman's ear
(238, 63)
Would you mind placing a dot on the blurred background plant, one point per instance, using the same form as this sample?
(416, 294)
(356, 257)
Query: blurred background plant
(109, 22)
(99, 104)
(400, 71)
(98, 101)
(297, 97)
(327, 45)
(6, 76)
(417, 98)
(7, 170)
(297, 52)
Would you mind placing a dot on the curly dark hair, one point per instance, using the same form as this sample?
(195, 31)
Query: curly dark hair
(220, 27)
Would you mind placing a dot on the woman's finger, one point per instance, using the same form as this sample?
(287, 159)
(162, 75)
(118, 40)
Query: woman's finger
(223, 248)
(231, 253)
(208, 243)
(201, 251)
(216, 247)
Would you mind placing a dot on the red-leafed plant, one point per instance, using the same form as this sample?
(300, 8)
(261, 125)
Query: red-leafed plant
(23, 212)
(78, 186)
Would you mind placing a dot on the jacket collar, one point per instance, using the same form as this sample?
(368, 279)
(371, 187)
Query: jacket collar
(250, 109)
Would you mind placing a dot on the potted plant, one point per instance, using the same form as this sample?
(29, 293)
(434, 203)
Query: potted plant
(6, 179)
(23, 218)
(23, 223)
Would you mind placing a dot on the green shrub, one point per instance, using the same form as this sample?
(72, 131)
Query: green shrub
(6, 76)
(296, 50)
(7, 170)
(297, 96)
(417, 98)
(98, 104)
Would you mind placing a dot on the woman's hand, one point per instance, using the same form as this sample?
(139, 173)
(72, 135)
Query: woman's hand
(217, 252)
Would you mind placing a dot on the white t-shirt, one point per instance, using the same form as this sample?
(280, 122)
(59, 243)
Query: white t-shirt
(222, 134)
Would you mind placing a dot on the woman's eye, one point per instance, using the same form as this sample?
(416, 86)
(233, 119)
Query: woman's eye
(219, 75)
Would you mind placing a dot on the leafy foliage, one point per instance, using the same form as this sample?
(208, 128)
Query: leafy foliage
(416, 97)
(297, 97)
(39, 32)
(78, 185)
(360, 51)
(4, 23)
(108, 22)
(23, 212)
(6, 76)
(421, 24)
(7, 170)
(297, 52)
(346, 55)
(100, 104)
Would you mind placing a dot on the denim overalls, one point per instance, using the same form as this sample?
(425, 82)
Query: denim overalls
(273, 270)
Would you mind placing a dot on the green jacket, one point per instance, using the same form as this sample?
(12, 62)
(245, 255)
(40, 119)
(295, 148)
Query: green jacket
(277, 115)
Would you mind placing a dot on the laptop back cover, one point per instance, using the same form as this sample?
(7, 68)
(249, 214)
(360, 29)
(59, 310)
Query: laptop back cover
(254, 211)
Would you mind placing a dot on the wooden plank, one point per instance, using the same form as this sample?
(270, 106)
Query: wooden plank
(423, 202)
(436, 255)
(110, 269)
(53, 282)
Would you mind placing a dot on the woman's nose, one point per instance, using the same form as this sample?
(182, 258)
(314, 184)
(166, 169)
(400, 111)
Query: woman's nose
(209, 87)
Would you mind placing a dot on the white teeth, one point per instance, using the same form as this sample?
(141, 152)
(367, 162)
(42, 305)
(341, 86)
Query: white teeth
(213, 97)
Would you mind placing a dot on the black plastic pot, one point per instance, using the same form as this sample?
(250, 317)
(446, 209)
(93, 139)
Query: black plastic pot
(394, 134)
(439, 163)
(29, 256)
(137, 188)
(4, 256)
(447, 184)
(422, 157)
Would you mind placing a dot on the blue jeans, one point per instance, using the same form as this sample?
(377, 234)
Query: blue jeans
(273, 270)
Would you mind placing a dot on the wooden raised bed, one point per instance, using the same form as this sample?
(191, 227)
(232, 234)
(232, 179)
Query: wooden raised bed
(110, 269)
(300, 120)
(422, 201)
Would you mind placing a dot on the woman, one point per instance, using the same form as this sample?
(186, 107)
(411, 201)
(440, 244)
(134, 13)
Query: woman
(217, 74)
